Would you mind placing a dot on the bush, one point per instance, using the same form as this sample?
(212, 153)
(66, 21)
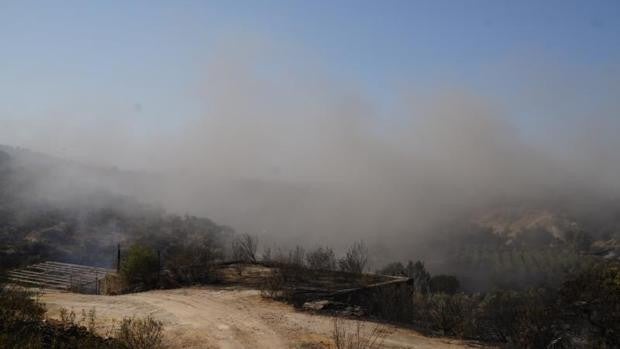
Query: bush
(358, 337)
(144, 333)
(244, 248)
(444, 284)
(22, 325)
(140, 267)
(130, 333)
(591, 303)
(273, 286)
(537, 323)
(498, 312)
(297, 256)
(17, 306)
(20, 317)
(393, 303)
(421, 277)
(321, 258)
(449, 314)
(186, 261)
(356, 259)
(393, 269)
(266, 256)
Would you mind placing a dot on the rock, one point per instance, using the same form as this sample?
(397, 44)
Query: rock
(316, 305)
(336, 308)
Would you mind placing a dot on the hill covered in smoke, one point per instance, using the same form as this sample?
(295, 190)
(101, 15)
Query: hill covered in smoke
(86, 210)
(53, 209)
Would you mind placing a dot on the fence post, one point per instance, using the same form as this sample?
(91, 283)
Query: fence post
(158, 268)
(118, 258)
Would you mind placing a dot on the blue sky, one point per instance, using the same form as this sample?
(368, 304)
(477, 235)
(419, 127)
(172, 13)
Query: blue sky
(150, 56)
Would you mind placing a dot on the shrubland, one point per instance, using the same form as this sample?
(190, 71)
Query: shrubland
(583, 312)
(23, 325)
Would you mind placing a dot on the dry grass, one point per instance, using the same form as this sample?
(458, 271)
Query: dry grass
(130, 333)
(145, 333)
(357, 336)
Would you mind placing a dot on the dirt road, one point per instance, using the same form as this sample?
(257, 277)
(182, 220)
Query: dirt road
(210, 317)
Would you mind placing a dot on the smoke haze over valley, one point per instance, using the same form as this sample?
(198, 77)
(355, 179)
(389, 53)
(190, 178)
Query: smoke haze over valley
(274, 143)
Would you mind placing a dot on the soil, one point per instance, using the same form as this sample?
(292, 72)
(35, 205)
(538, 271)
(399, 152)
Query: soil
(215, 317)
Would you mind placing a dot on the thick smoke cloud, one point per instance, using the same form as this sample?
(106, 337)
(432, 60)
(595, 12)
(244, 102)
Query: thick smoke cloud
(287, 153)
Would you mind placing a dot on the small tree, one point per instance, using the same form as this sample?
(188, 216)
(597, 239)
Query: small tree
(321, 258)
(498, 314)
(296, 256)
(140, 267)
(450, 314)
(356, 259)
(244, 248)
(266, 257)
(421, 278)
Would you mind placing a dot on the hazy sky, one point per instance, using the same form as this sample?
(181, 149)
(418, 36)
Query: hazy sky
(145, 62)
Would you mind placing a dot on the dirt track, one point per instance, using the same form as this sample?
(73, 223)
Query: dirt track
(209, 317)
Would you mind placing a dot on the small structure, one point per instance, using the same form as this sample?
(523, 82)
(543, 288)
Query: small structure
(61, 276)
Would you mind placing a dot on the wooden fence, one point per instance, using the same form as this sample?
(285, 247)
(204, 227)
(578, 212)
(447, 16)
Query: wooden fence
(61, 276)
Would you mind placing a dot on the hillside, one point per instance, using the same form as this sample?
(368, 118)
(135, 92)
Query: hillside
(512, 222)
(52, 209)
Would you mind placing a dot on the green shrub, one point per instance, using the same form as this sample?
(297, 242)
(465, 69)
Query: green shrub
(140, 267)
